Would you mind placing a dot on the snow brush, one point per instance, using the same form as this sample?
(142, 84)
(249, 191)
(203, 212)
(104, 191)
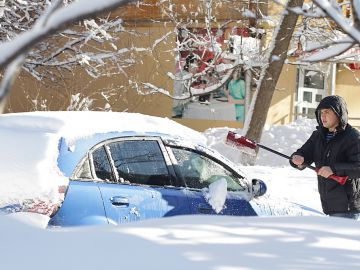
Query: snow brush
(243, 143)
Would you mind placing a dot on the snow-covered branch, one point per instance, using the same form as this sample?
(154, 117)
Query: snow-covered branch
(54, 18)
(334, 13)
(59, 19)
(201, 48)
(149, 88)
(340, 45)
(14, 67)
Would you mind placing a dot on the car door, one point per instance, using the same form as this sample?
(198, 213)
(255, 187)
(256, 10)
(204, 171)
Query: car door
(83, 205)
(198, 171)
(137, 182)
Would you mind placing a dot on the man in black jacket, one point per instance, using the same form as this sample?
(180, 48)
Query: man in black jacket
(335, 148)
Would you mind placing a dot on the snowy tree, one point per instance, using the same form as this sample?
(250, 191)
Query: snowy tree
(203, 47)
(330, 30)
(315, 30)
(270, 74)
(71, 48)
(34, 25)
(332, 43)
(221, 64)
(49, 54)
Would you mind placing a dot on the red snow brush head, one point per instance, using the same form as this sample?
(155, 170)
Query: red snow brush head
(239, 141)
(243, 144)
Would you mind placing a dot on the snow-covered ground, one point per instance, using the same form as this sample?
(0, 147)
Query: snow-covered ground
(198, 242)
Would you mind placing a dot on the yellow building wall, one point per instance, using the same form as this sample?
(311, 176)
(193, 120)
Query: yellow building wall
(150, 67)
(348, 86)
(282, 104)
(29, 94)
(183, 10)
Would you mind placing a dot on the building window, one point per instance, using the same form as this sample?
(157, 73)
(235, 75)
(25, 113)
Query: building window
(318, 98)
(314, 79)
(307, 96)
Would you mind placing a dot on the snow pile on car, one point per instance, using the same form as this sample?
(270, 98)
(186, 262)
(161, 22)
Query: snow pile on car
(29, 175)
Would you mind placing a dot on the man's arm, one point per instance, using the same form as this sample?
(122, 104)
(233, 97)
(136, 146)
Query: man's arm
(303, 155)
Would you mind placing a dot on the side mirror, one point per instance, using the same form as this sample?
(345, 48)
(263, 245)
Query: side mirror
(258, 187)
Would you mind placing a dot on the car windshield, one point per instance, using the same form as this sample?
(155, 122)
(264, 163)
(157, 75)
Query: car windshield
(199, 171)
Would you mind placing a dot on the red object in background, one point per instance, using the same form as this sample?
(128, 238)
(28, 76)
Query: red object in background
(218, 34)
(206, 56)
(354, 66)
(240, 31)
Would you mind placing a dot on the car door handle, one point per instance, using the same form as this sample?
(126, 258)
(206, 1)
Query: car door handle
(204, 208)
(117, 200)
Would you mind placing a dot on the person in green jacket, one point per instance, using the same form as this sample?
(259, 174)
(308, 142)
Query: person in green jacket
(235, 92)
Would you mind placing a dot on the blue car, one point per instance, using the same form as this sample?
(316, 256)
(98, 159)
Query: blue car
(124, 177)
(119, 168)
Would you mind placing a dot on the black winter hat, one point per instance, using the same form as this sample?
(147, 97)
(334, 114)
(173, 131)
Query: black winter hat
(338, 105)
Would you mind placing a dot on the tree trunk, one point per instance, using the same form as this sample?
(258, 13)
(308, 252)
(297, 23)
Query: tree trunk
(269, 76)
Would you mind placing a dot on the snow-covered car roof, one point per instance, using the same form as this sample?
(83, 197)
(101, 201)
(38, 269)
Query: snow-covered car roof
(29, 145)
(76, 124)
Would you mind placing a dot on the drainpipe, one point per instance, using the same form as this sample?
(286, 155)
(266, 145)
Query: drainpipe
(333, 78)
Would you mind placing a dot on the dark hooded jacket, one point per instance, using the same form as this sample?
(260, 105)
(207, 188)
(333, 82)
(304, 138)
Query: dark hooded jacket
(341, 153)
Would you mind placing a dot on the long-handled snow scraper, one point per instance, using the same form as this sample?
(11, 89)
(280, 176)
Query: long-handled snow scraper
(243, 143)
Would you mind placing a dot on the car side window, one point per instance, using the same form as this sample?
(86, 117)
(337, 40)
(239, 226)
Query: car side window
(199, 171)
(102, 165)
(140, 162)
(83, 172)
